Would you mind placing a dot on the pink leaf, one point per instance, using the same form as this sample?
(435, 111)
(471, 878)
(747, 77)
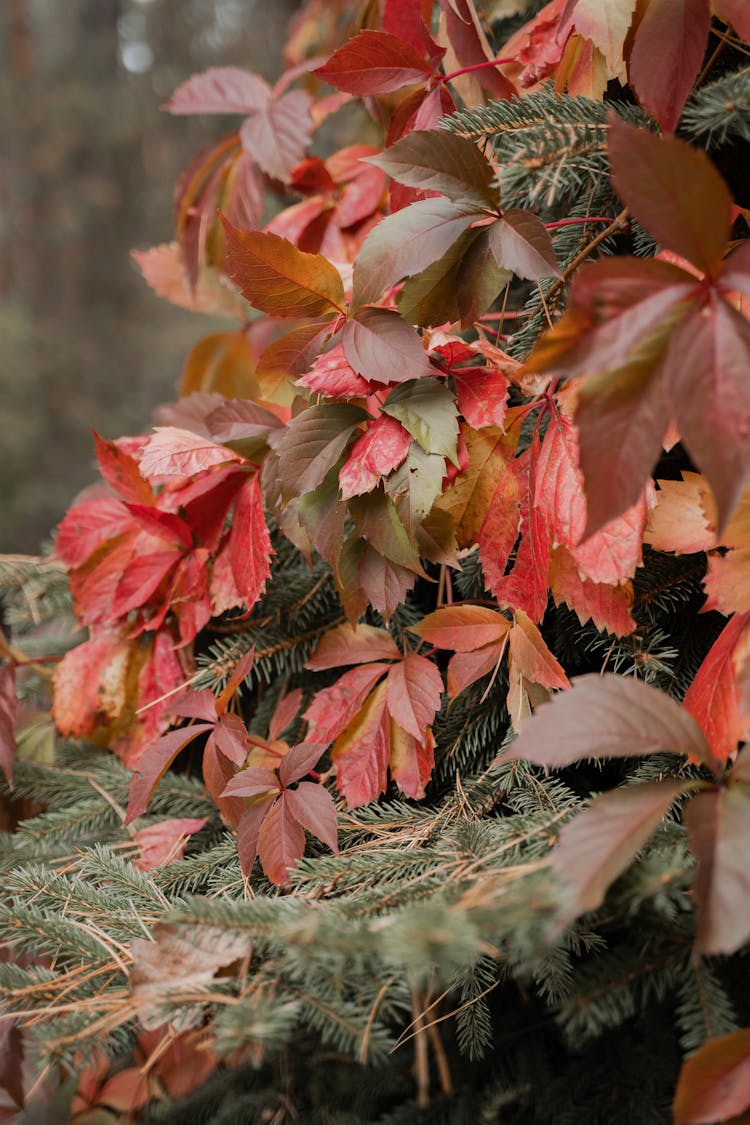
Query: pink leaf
(222, 89)
(277, 135)
(352, 644)
(312, 806)
(154, 763)
(230, 736)
(252, 782)
(248, 830)
(281, 842)
(334, 707)
(175, 452)
(414, 690)
(298, 762)
(8, 708)
(164, 843)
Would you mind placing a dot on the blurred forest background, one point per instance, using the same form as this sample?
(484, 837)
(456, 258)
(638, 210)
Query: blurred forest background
(87, 166)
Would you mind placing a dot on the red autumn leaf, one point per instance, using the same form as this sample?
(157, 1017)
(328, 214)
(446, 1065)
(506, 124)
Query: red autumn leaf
(609, 716)
(607, 606)
(469, 42)
(298, 762)
(175, 452)
(195, 705)
(712, 696)
(667, 53)
(600, 842)
(230, 737)
(277, 278)
(285, 712)
(377, 452)
(312, 806)
(249, 544)
(87, 526)
(531, 656)
(277, 135)
(526, 586)
(718, 827)
(222, 89)
(90, 684)
(122, 471)
(737, 13)
(144, 579)
(411, 760)
(333, 708)
(165, 842)
(382, 348)
(281, 842)
(374, 62)
(360, 753)
(413, 690)
(166, 526)
(332, 375)
(714, 1083)
(465, 668)
(695, 223)
(154, 763)
(408, 21)
(462, 628)
(253, 781)
(248, 830)
(352, 644)
(521, 243)
(8, 708)
(481, 393)
(605, 24)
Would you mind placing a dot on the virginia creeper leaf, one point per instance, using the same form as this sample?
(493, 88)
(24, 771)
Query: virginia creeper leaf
(248, 830)
(650, 172)
(277, 136)
(436, 160)
(313, 443)
(382, 348)
(532, 657)
(361, 751)
(332, 375)
(174, 452)
(521, 244)
(376, 453)
(277, 278)
(712, 696)
(298, 762)
(714, 1083)
(462, 628)
(352, 644)
(425, 408)
(608, 716)
(718, 826)
(667, 52)
(154, 763)
(600, 842)
(312, 806)
(333, 708)
(414, 687)
(221, 89)
(374, 62)
(281, 842)
(8, 708)
(405, 243)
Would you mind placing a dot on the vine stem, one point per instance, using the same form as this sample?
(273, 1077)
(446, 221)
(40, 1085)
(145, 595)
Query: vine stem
(475, 66)
(617, 224)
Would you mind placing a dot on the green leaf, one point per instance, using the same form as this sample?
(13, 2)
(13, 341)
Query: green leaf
(718, 826)
(435, 160)
(313, 443)
(425, 408)
(277, 278)
(377, 521)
